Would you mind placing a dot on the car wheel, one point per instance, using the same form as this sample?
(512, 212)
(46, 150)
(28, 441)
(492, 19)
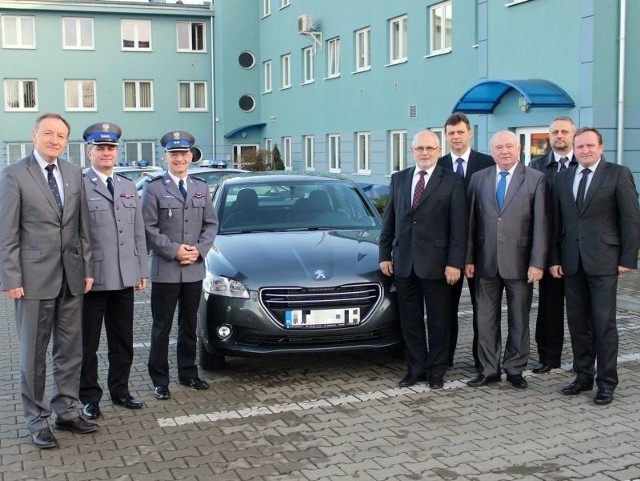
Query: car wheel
(208, 361)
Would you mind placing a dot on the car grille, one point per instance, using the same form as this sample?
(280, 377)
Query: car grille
(278, 300)
(319, 338)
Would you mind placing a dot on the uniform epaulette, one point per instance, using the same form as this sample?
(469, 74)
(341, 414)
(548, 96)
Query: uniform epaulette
(122, 176)
(159, 176)
(197, 178)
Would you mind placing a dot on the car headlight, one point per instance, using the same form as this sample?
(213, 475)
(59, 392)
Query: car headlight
(223, 286)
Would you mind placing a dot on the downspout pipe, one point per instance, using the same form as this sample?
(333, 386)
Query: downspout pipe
(621, 78)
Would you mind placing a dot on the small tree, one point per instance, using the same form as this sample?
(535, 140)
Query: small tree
(278, 164)
(257, 160)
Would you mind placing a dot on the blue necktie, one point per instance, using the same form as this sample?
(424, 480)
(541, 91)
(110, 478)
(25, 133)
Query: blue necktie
(502, 189)
(183, 191)
(459, 168)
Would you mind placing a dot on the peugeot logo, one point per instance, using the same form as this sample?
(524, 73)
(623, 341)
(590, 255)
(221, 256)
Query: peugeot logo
(319, 273)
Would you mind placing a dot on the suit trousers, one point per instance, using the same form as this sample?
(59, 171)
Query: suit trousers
(116, 309)
(591, 316)
(413, 294)
(550, 320)
(519, 295)
(165, 296)
(456, 292)
(37, 321)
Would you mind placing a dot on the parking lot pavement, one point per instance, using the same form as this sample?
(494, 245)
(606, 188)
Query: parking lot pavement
(340, 417)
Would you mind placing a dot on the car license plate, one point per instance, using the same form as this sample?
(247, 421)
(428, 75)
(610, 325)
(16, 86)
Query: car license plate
(322, 317)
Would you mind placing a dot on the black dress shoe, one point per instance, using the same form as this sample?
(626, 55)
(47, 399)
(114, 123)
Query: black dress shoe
(482, 380)
(411, 379)
(44, 439)
(195, 383)
(78, 425)
(576, 387)
(91, 410)
(161, 392)
(603, 396)
(436, 382)
(127, 401)
(544, 368)
(517, 381)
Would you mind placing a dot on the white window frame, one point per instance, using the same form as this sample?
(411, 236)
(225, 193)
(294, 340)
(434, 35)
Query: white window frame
(136, 24)
(398, 39)
(363, 49)
(22, 149)
(286, 152)
(284, 3)
(309, 141)
(77, 90)
(363, 152)
(268, 145)
(21, 32)
(398, 149)
(79, 23)
(266, 8)
(526, 139)
(139, 147)
(190, 27)
(137, 84)
(267, 72)
(308, 65)
(444, 147)
(333, 152)
(78, 149)
(21, 84)
(192, 96)
(333, 57)
(285, 61)
(440, 11)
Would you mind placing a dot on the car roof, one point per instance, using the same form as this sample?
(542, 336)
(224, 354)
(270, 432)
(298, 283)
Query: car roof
(286, 176)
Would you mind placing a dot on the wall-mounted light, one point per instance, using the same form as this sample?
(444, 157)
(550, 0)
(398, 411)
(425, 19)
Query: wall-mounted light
(524, 104)
(244, 135)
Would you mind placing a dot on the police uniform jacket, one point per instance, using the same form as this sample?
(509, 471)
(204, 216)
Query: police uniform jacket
(170, 220)
(117, 233)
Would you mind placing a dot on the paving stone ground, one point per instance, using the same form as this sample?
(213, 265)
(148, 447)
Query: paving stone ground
(340, 417)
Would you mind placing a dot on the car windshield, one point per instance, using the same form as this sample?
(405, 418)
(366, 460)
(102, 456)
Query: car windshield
(293, 205)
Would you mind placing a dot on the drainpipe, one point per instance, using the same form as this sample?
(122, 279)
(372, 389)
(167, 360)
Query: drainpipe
(621, 73)
(214, 100)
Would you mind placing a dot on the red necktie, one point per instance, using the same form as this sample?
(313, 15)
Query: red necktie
(417, 194)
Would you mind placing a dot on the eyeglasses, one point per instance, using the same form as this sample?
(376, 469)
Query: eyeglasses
(429, 149)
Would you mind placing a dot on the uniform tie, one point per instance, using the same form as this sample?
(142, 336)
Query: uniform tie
(53, 185)
(582, 188)
(183, 191)
(110, 185)
(459, 168)
(502, 189)
(417, 193)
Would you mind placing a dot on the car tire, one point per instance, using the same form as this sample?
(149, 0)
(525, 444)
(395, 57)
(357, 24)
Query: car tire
(208, 361)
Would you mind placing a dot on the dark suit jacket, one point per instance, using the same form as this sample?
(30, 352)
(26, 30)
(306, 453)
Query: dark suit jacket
(606, 234)
(35, 240)
(549, 167)
(477, 161)
(432, 237)
(506, 243)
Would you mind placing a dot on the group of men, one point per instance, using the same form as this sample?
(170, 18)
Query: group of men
(569, 221)
(73, 249)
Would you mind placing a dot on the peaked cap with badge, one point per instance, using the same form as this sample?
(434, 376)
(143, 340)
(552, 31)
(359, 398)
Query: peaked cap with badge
(102, 133)
(177, 141)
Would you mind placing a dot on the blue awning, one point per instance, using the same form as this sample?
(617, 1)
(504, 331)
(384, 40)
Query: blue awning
(242, 128)
(482, 98)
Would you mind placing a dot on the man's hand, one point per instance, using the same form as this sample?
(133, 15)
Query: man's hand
(623, 270)
(387, 268)
(16, 293)
(187, 254)
(142, 284)
(534, 274)
(452, 274)
(556, 271)
(469, 270)
(88, 284)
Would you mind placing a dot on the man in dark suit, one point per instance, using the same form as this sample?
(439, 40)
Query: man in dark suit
(508, 247)
(550, 320)
(596, 238)
(464, 161)
(120, 266)
(422, 244)
(181, 225)
(45, 266)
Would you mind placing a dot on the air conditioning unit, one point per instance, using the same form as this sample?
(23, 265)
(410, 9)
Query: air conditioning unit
(305, 23)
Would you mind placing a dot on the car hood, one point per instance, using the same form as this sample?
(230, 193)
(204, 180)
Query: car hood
(307, 258)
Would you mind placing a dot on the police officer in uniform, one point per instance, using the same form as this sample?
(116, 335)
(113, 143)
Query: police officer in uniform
(180, 225)
(120, 266)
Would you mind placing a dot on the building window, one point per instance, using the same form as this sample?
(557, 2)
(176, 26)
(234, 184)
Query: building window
(20, 95)
(307, 65)
(193, 96)
(135, 151)
(136, 34)
(17, 151)
(18, 32)
(138, 95)
(76, 153)
(266, 68)
(309, 152)
(444, 147)
(191, 37)
(80, 95)
(268, 147)
(333, 57)
(285, 3)
(363, 152)
(440, 24)
(246, 103)
(286, 71)
(246, 60)
(398, 39)
(363, 49)
(334, 152)
(286, 152)
(77, 33)
(266, 8)
(398, 139)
